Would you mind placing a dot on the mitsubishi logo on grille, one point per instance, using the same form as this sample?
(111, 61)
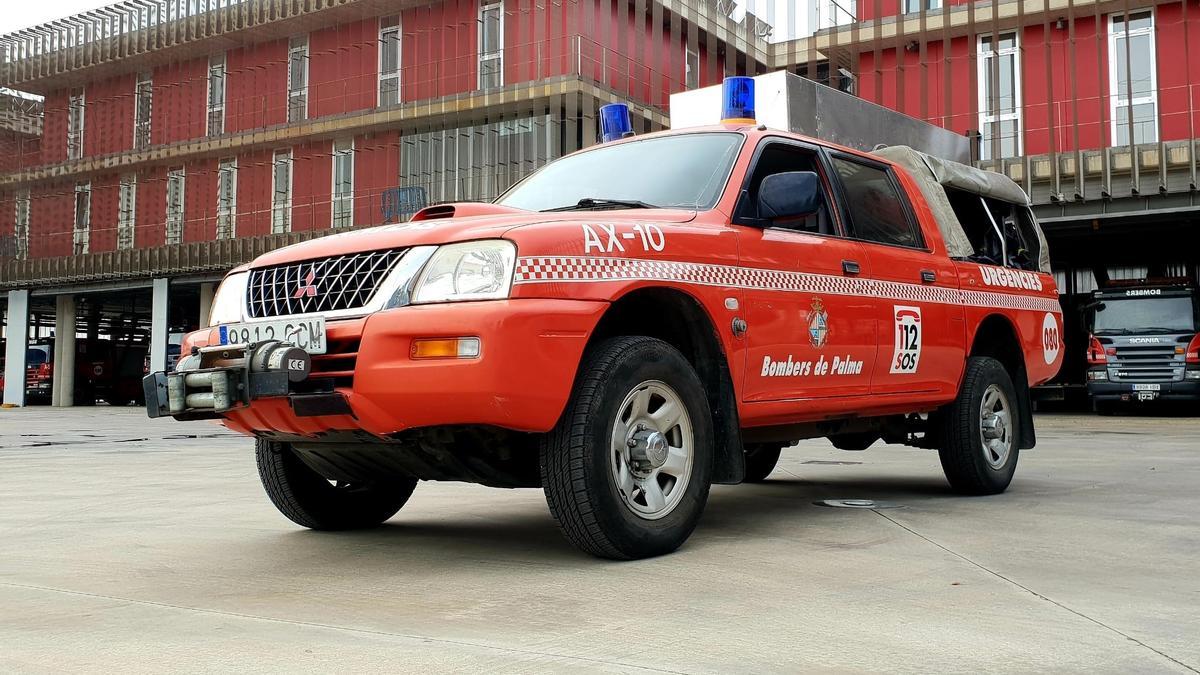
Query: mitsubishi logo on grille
(307, 289)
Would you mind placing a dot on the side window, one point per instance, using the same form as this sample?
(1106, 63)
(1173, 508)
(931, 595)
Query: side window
(779, 158)
(877, 211)
(1001, 233)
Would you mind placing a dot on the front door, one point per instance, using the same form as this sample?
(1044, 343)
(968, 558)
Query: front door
(811, 329)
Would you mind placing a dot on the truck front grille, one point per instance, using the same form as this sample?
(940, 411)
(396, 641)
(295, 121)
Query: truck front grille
(344, 282)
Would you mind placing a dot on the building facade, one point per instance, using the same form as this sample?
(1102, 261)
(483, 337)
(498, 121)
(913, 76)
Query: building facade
(174, 139)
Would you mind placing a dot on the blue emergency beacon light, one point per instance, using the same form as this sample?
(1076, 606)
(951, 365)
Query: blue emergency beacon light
(737, 100)
(614, 122)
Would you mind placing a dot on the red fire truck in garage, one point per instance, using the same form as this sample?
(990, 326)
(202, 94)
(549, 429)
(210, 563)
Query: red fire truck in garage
(633, 323)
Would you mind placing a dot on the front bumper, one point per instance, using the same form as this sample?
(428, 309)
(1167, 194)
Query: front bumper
(1123, 391)
(530, 349)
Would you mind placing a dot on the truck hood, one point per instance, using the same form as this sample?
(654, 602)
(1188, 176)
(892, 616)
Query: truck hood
(449, 230)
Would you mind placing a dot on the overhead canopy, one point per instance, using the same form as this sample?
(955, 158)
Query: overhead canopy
(934, 174)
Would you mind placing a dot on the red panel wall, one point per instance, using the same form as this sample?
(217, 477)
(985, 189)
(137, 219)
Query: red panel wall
(376, 169)
(254, 194)
(105, 193)
(200, 201)
(438, 50)
(54, 127)
(180, 101)
(342, 68)
(312, 181)
(256, 86)
(151, 208)
(1178, 43)
(52, 211)
(108, 116)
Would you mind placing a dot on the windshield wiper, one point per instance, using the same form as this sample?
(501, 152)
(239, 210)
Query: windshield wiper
(593, 204)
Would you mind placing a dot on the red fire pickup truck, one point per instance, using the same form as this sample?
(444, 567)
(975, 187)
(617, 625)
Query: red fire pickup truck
(633, 323)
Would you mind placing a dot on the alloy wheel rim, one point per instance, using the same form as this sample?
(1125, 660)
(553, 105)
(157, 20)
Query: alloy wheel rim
(995, 426)
(651, 451)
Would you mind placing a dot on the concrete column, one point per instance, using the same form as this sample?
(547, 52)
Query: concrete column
(63, 392)
(158, 325)
(206, 298)
(16, 344)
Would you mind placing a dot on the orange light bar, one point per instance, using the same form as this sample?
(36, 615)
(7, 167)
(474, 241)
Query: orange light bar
(445, 348)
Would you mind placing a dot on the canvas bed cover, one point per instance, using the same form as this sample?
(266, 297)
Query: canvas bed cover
(934, 175)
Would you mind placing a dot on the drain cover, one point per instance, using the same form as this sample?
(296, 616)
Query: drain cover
(831, 462)
(858, 504)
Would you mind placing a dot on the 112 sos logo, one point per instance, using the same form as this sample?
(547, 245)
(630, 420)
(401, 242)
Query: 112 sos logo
(907, 354)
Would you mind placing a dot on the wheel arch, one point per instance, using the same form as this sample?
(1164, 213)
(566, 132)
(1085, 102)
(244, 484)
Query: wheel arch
(672, 315)
(997, 338)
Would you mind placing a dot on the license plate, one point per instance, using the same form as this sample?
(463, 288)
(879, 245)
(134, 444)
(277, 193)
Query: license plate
(307, 334)
(1147, 387)
(1147, 395)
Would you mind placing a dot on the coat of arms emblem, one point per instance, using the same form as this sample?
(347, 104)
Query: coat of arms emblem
(818, 324)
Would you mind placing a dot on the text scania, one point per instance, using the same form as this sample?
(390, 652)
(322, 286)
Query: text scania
(1009, 278)
(840, 365)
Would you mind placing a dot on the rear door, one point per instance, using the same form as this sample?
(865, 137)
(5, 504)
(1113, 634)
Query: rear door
(920, 321)
(811, 327)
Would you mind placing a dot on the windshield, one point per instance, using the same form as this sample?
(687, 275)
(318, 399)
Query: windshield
(685, 171)
(1145, 315)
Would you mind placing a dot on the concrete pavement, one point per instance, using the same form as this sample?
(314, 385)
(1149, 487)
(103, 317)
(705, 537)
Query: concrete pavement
(147, 545)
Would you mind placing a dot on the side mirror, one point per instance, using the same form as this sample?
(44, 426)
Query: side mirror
(792, 194)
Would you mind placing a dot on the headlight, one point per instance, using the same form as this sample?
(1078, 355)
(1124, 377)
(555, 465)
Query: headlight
(229, 299)
(473, 270)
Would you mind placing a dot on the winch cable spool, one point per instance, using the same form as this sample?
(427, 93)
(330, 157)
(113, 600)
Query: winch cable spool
(217, 386)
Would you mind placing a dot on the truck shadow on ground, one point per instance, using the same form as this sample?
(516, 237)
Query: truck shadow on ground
(779, 506)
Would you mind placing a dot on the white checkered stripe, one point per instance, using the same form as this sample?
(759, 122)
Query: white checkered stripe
(583, 269)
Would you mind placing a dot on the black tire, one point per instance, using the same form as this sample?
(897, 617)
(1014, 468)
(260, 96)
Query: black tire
(855, 441)
(309, 500)
(761, 459)
(962, 448)
(575, 457)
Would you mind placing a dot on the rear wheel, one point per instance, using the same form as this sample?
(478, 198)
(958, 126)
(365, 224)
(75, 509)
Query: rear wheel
(761, 459)
(980, 430)
(309, 499)
(626, 471)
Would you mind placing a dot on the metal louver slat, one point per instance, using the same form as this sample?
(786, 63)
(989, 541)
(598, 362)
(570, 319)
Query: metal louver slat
(338, 283)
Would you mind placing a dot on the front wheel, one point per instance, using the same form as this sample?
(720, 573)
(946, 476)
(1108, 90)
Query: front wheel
(310, 500)
(626, 471)
(980, 430)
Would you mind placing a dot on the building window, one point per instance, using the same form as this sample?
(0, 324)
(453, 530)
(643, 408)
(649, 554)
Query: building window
(126, 212)
(227, 199)
(914, 6)
(999, 96)
(281, 195)
(298, 79)
(216, 95)
(141, 123)
(75, 113)
(175, 185)
(343, 183)
(389, 60)
(1131, 79)
(82, 233)
(22, 225)
(691, 69)
(491, 44)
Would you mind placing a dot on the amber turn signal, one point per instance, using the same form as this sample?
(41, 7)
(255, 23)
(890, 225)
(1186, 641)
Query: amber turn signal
(445, 348)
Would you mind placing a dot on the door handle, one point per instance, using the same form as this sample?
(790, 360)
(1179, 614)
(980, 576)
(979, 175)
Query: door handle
(850, 267)
(928, 276)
